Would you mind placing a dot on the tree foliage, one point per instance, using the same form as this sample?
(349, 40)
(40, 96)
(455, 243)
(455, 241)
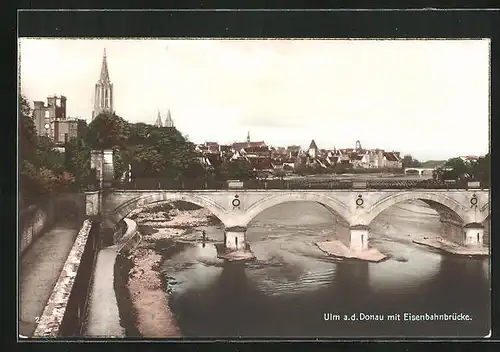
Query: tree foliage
(238, 170)
(471, 170)
(146, 150)
(42, 167)
(482, 170)
(155, 152)
(408, 161)
(24, 106)
(108, 131)
(78, 161)
(28, 139)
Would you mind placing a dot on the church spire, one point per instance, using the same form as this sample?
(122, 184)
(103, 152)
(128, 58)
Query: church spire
(168, 121)
(248, 137)
(158, 122)
(104, 69)
(103, 92)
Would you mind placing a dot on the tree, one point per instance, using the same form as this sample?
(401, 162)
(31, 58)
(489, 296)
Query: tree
(237, 169)
(28, 139)
(140, 133)
(24, 105)
(27, 132)
(48, 157)
(408, 161)
(121, 161)
(280, 173)
(78, 161)
(108, 131)
(458, 169)
(187, 162)
(482, 170)
(43, 169)
(146, 161)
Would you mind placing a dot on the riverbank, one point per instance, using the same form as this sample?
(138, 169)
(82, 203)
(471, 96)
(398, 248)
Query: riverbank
(148, 300)
(452, 247)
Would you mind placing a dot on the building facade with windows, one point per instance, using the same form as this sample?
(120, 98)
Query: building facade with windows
(51, 120)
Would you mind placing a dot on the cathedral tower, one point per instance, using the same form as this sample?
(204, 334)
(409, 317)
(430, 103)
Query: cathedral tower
(158, 122)
(168, 121)
(103, 94)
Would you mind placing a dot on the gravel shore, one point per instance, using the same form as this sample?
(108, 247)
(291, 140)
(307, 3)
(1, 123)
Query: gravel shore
(149, 300)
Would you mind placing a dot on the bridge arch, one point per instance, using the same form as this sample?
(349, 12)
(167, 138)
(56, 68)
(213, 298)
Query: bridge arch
(444, 205)
(485, 213)
(334, 205)
(418, 171)
(127, 207)
(410, 171)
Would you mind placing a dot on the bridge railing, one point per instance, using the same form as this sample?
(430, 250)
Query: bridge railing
(413, 184)
(145, 184)
(151, 184)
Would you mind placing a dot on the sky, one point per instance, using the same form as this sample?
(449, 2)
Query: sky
(427, 98)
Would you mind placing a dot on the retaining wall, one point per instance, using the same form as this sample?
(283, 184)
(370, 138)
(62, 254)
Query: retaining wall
(32, 221)
(38, 217)
(130, 237)
(65, 310)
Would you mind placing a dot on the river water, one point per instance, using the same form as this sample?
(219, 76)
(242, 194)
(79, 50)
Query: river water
(292, 286)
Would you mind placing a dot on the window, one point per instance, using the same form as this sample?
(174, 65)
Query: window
(46, 114)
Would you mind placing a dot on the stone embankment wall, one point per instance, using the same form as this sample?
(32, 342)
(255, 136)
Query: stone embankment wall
(64, 312)
(32, 221)
(129, 239)
(36, 218)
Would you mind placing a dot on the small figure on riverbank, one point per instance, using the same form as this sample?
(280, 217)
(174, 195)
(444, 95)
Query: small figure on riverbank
(203, 237)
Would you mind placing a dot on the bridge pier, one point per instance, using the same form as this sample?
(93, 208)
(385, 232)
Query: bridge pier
(235, 239)
(473, 233)
(359, 237)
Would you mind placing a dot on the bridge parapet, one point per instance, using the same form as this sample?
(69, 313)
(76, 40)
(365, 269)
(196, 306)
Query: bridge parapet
(291, 184)
(239, 207)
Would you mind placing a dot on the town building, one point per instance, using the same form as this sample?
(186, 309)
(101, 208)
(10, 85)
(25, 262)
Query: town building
(68, 129)
(392, 160)
(51, 120)
(45, 115)
(103, 92)
(313, 151)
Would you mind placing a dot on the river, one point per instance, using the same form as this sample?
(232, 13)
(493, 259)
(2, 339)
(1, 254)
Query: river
(292, 286)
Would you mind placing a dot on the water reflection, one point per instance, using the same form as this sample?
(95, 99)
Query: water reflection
(195, 267)
(286, 291)
(400, 274)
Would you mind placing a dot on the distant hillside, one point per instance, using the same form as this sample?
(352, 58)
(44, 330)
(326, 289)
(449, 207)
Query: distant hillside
(433, 163)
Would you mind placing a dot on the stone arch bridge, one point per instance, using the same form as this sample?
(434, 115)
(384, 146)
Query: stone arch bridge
(236, 208)
(420, 170)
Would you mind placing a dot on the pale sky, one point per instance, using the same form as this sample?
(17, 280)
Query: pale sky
(426, 98)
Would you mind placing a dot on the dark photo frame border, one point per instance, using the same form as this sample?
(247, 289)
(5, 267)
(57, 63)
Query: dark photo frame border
(383, 24)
